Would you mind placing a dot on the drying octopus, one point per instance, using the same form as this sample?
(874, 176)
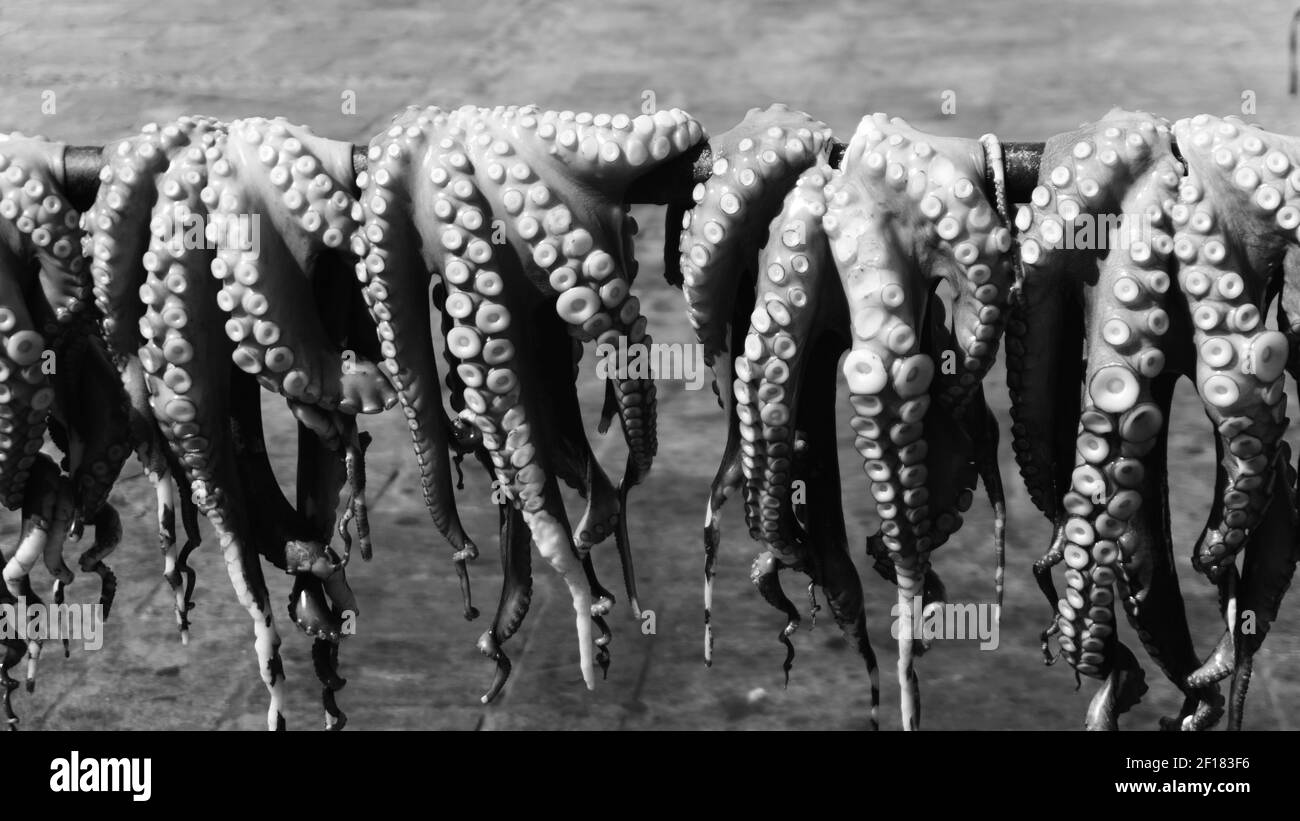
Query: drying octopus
(55, 378)
(521, 214)
(902, 212)
(513, 223)
(221, 263)
(1190, 229)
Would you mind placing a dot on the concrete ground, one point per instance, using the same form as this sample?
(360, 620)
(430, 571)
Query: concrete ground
(1023, 70)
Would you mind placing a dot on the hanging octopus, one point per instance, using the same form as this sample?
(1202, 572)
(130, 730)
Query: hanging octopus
(755, 164)
(902, 212)
(1236, 219)
(1213, 228)
(521, 213)
(54, 375)
(221, 264)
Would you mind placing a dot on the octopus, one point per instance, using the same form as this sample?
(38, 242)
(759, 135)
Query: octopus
(221, 264)
(522, 215)
(1195, 224)
(56, 381)
(902, 212)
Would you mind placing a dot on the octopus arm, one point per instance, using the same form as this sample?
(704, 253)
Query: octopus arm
(397, 276)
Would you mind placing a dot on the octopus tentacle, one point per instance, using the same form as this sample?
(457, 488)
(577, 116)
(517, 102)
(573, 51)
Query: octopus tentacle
(47, 511)
(190, 388)
(482, 340)
(550, 185)
(93, 408)
(1097, 163)
(831, 565)
(516, 596)
(586, 241)
(765, 574)
(769, 370)
(172, 494)
(49, 228)
(903, 200)
(118, 243)
(573, 459)
(768, 378)
(1236, 186)
(729, 477)
(1237, 213)
(1159, 619)
(289, 177)
(1270, 561)
(984, 434)
(35, 235)
(715, 259)
(44, 284)
(117, 224)
(1111, 181)
(1044, 378)
(755, 165)
(396, 261)
(1126, 321)
(1123, 686)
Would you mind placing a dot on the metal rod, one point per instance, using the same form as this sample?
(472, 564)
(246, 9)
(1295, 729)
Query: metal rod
(671, 182)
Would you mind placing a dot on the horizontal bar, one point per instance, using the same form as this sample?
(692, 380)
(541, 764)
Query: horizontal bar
(671, 182)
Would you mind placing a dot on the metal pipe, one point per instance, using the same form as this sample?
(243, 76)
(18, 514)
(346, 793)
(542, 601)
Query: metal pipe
(671, 182)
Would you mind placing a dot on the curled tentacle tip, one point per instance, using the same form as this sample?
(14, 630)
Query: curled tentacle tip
(487, 645)
(471, 613)
(499, 679)
(788, 664)
(335, 719)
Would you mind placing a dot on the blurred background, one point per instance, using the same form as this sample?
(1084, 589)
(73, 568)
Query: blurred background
(1023, 70)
